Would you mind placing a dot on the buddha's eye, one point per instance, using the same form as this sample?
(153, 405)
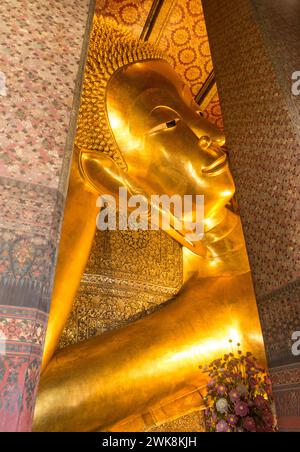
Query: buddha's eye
(165, 126)
(171, 124)
(201, 114)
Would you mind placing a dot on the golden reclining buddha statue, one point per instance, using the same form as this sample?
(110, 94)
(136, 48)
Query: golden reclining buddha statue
(139, 128)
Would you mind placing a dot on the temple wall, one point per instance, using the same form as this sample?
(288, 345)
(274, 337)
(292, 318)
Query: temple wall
(255, 49)
(42, 52)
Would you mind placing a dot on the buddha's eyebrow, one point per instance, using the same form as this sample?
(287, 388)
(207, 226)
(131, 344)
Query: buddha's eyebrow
(165, 108)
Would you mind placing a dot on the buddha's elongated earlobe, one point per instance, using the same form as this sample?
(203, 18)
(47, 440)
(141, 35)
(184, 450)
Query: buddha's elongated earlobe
(104, 175)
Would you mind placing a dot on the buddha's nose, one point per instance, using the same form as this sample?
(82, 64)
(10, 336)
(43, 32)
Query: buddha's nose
(206, 141)
(213, 155)
(217, 137)
(220, 140)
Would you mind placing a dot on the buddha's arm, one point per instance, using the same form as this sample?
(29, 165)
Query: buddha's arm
(94, 384)
(77, 236)
(76, 240)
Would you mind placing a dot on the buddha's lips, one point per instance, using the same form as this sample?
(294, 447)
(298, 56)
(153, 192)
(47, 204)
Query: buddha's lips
(216, 166)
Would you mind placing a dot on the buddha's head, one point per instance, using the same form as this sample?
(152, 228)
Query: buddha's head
(140, 127)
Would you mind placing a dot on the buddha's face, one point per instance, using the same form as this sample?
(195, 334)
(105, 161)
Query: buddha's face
(168, 146)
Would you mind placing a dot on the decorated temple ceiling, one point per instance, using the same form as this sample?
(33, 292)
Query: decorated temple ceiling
(180, 30)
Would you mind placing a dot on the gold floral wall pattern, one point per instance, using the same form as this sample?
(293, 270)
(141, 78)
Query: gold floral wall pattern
(129, 274)
(132, 14)
(185, 39)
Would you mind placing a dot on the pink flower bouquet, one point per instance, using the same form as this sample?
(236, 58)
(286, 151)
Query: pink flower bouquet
(239, 396)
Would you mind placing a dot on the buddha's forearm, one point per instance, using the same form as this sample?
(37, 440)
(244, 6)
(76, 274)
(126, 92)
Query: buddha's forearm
(76, 240)
(101, 381)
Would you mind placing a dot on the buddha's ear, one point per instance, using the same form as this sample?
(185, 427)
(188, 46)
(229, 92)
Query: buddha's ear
(103, 173)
